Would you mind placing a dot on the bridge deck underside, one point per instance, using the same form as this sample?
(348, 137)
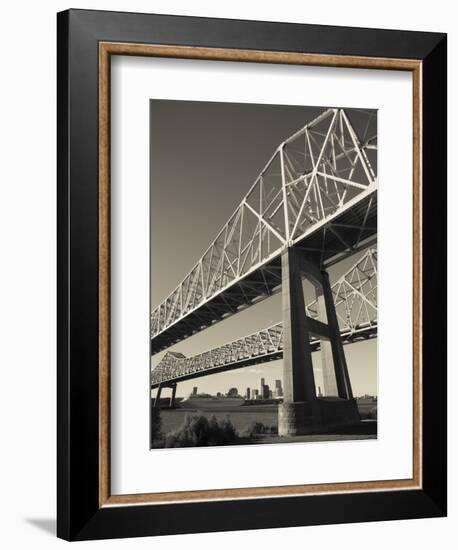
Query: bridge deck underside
(339, 237)
(342, 236)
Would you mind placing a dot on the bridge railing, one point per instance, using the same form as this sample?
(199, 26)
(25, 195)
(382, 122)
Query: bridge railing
(310, 176)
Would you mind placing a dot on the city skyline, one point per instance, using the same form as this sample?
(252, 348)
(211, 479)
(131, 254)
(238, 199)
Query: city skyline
(248, 392)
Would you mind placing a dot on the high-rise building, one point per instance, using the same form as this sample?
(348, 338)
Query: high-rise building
(248, 393)
(194, 390)
(255, 394)
(278, 389)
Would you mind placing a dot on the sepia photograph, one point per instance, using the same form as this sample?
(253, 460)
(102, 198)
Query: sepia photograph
(263, 273)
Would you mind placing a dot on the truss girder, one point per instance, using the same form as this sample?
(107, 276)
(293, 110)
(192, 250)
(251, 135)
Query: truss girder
(314, 178)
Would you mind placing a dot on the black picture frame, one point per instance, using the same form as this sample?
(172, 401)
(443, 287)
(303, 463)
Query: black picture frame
(80, 516)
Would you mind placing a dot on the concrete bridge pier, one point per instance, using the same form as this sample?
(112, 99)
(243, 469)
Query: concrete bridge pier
(302, 412)
(299, 411)
(327, 358)
(336, 359)
(157, 399)
(172, 398)
(172, 402)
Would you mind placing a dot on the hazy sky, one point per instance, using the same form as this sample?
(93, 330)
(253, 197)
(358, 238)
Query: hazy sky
(204, 158)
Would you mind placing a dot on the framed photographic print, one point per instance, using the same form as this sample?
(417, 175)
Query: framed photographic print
(252, 274)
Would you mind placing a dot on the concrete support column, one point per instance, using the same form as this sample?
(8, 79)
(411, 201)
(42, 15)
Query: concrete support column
(299, 412)
(172, 399)
(327, 358)
(158, 397)
(298, 378)
(342, 378)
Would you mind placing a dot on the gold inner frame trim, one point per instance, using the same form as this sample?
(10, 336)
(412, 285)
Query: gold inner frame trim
(106, 50)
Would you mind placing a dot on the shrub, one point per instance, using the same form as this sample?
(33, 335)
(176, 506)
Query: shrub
(373, 413)
(198, 431)
(258, 428)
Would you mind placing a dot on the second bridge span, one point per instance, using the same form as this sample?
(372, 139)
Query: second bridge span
(355, 299)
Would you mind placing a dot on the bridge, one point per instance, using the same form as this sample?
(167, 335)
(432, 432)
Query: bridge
(355, 300)
(312, 205)
(318, 191)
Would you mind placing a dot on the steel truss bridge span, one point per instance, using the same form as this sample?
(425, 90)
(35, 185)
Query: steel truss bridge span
(318, 191)
(355, 300)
